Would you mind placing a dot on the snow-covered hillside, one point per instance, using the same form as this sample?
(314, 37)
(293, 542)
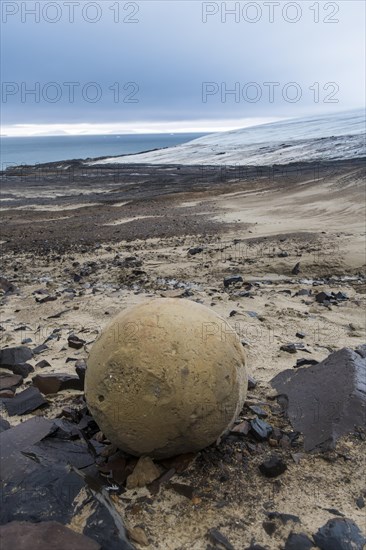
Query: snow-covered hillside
(327, 137)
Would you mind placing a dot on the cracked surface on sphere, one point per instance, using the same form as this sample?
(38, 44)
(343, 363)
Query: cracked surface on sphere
(166, 377)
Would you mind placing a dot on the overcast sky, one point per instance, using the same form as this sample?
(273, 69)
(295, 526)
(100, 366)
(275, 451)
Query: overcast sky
(169, 65)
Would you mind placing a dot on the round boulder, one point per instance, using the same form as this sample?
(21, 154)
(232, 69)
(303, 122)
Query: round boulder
(166, 377)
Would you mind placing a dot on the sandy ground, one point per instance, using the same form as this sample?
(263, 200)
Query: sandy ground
(255, 227)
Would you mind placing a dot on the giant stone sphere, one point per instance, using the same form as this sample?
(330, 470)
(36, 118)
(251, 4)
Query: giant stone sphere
(166, 377)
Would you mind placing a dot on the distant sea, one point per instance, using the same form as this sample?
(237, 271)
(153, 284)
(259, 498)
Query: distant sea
(35, 150)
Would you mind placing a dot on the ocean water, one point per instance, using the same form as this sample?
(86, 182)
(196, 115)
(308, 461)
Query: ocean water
(33, 150)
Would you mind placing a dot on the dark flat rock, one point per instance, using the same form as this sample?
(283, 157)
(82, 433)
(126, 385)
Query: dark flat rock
(195, 250)
(242, 429)
(298, 541)
(322, 297)
(24, 369)
(183, 489)
(10, 381)
(43, 473)
(13, 440)
(25, 402)
(42, 364)
(55, 382)
(40, 349)
(22, 535)
(339, 534)
(292, 347)
(13, 356)
(303, 292)
(260, 429)
(269, 527)
(4, 424)
(326, 400)
(360, 502)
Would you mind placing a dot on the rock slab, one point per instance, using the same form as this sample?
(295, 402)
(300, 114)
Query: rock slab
(23, 535)
(327, 400)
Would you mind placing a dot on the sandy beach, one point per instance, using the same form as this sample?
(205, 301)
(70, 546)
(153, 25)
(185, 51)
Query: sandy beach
(94, 240)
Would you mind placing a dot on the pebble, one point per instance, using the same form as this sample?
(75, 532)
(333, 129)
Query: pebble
(183, 489)
(218, 538)
(75, 342)
(284, 518)
(195, 250)
(303, 292)
(303, 361)
(252, 383)
(330, 297)
(252, 314)
(322, 297)
(298, 541)
(137, 534)
(242, 428)
(292, 348)
(145, 472)
(273, 467)
(260, 429)
(360, 503)
(269, 527)
(42, 364)
(231, 280)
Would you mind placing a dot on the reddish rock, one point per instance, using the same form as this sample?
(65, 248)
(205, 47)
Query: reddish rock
(55, 382)
(22, 535)
(10, 381)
